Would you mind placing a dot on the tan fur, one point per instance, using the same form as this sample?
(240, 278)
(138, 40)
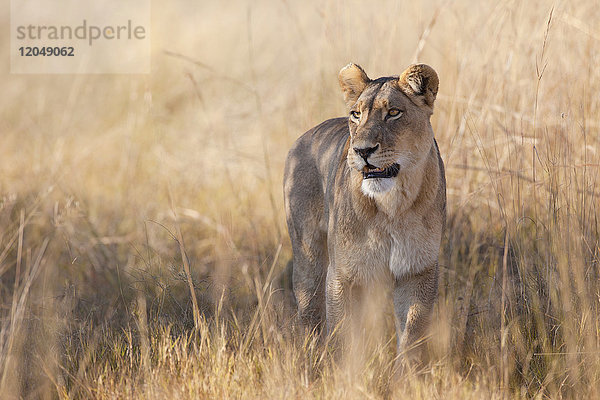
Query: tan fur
(348, 232)
(353, 81)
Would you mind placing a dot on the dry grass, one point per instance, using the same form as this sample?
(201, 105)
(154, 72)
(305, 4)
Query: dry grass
(107, 182)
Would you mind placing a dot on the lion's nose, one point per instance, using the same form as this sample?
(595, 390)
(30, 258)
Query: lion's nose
(366, 151)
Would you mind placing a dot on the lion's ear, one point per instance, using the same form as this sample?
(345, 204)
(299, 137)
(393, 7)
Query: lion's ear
(420, 81)
(353, 81)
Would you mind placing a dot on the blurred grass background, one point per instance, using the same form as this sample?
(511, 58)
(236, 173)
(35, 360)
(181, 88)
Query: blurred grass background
(113, 187)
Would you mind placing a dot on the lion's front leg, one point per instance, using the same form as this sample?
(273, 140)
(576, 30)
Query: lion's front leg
(336, 302)
(414, 297)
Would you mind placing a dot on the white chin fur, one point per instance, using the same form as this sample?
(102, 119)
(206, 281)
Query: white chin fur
(375, 186)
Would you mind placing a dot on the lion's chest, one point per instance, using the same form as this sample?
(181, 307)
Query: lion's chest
(402, 248)
(412, 249)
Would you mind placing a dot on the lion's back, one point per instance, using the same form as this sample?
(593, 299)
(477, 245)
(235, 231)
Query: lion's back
(309, 169)
(312, 160)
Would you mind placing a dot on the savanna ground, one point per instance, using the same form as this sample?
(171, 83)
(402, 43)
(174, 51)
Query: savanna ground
(142, 230)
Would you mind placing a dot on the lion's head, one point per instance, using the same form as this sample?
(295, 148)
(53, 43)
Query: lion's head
(389, 122)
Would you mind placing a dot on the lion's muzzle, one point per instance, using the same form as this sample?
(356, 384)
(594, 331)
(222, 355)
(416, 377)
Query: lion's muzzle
(389, 172)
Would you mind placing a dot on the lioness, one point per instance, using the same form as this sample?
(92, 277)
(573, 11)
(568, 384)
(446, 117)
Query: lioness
(365, 198)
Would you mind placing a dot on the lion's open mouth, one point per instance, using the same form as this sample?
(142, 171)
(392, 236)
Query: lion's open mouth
(370, 172)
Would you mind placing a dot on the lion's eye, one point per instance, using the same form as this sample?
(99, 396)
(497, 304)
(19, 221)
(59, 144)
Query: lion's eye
(394, 112)
(355, 115)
